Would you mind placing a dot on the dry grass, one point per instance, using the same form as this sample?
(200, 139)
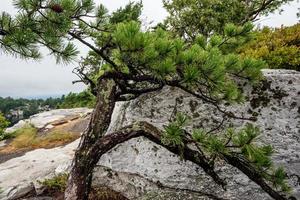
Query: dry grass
(27, 138)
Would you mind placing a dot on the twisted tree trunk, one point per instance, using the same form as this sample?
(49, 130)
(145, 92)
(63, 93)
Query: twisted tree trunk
(84, 161)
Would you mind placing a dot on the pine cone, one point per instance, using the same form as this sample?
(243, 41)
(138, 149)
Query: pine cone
(56, 8)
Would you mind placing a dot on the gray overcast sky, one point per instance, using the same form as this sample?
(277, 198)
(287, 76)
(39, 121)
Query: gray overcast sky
(19, 78)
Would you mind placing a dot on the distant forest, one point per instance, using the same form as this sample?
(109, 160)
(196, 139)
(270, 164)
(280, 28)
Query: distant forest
(21, 108)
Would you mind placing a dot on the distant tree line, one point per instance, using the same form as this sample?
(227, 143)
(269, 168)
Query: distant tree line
(75, 100)
(21, 108)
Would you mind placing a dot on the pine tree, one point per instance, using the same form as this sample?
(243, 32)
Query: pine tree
(126, 62)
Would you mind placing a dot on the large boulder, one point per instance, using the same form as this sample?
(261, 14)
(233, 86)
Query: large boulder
(139, 167)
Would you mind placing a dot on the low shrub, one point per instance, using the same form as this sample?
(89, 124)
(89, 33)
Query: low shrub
(57, 183)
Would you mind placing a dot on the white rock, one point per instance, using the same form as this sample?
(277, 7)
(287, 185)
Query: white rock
(17, 126)
(41, 120)
(2, 143)
(44, 119)
(49, 126)
(20, 173)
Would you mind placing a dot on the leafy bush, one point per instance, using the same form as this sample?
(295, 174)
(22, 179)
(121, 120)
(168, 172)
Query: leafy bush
(280, 48)
(191, 17)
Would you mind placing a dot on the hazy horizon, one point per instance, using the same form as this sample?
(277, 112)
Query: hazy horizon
(44, 78)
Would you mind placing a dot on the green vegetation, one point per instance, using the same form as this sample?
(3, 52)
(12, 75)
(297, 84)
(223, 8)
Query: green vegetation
(16, 109)
(3, 124)
(189, 18)
(105, 193)
(8, 103)
(280, 47)
(57, 183)
(82, 99)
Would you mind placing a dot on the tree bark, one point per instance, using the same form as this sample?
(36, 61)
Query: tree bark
(84, 161)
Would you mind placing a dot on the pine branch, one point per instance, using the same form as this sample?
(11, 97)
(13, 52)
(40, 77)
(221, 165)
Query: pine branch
(98, 51)
(253, 174)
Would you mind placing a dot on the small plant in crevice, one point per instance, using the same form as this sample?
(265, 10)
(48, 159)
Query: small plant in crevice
(57, 183)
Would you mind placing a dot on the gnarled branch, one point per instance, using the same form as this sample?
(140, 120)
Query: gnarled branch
(144, 129)
(152, 133)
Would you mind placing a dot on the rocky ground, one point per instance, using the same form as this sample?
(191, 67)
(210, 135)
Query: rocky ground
(73, 121)
(31, 164)
(139, 169)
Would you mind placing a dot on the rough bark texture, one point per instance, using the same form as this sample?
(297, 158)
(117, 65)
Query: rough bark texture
(84, 161)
